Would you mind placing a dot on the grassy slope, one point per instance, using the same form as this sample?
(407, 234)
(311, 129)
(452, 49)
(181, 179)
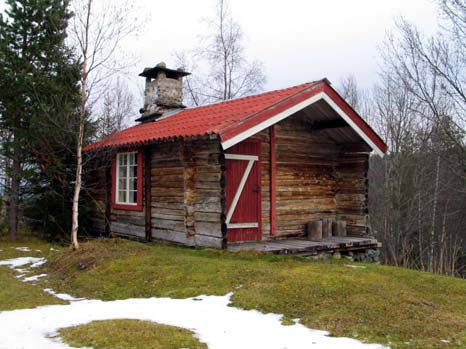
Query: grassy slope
(15, 294)
(119, 334)
(377, 304)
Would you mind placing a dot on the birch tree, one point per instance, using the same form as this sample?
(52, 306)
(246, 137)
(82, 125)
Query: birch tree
(417, 193)
(118, 104)
(97, 29)
(228, 73)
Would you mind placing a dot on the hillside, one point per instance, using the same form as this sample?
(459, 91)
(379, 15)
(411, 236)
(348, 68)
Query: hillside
(373, 303)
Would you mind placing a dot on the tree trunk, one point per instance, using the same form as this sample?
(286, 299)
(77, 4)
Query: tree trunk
(419, 231)
(82, 114)
(77, 189)
(6, 188)
(14, 195)
(434, 212)
(79, 163)
(440, 268)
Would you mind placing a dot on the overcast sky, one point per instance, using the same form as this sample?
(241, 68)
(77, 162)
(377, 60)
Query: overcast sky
(297, 40)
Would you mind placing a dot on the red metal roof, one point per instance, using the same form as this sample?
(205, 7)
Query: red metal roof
(230, 118)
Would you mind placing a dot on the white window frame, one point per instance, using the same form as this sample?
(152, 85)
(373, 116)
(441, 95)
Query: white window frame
(127, 191)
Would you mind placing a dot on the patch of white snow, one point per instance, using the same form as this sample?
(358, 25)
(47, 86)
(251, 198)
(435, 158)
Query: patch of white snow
(23, 249)
(214, 322)
(355, 266)
(34, 278)
(14, 263)
(37, 264)
(63, 296)
(211, 318)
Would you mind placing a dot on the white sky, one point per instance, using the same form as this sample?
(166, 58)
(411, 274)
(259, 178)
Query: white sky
(297, 40)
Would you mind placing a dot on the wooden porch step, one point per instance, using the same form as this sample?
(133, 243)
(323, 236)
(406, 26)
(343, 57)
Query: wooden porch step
(306, 247)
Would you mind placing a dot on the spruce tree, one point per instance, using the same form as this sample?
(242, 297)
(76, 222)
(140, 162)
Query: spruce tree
(39, 94)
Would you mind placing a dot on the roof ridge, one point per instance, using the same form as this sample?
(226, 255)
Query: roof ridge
(311, 84)
(250, 96)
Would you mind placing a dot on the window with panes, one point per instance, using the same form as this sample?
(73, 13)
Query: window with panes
(127, 178)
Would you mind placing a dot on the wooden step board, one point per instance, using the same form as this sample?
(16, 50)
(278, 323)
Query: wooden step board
(307, 247)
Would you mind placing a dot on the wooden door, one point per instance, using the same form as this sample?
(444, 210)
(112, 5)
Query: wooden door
(243, 191)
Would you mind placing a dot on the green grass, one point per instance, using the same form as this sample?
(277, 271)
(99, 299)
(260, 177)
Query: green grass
(15, 294)
(406, 308)
(378, 304)
(129, 334)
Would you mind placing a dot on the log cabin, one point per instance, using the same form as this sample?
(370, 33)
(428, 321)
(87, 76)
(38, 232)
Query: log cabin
(282, 171)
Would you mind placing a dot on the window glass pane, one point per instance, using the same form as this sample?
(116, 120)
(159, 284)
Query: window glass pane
(130, 158)
(122, 171)
(122, 159)
(121, 196)
(122, 184)
(133, 184)
(133, 171)
(132, 197)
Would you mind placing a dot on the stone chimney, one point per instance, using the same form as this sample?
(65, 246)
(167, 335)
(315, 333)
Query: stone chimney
(163, 93)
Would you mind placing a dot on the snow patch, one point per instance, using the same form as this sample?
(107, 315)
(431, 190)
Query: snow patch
(37, 328)
(62, 296)
(23, 249)
(355, 266)
(39, 263)
(237, 329)
(34, 278)
(14, 263)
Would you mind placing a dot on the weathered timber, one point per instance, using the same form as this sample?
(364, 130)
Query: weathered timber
(119, 228)
(189, 181)
(339, 228)
(147, 192)
(209, 241)
(108, 201)
(326, 228)
(186, 192)
(351, 192)
(307, 247)
(314, 230)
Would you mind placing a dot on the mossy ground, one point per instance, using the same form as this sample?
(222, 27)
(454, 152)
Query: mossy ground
(124, 334)
(400, 307)
(15, 294)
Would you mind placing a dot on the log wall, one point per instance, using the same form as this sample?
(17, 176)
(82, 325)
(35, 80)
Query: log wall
(305, 178)
(186, 196)
(187, 193)
(315, 179)
(352, 191)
